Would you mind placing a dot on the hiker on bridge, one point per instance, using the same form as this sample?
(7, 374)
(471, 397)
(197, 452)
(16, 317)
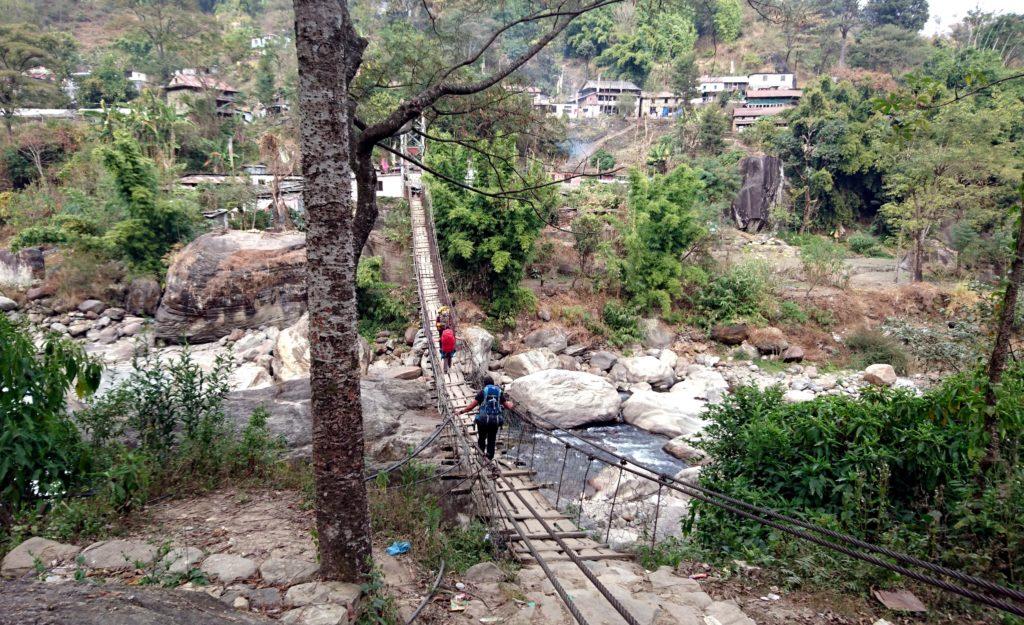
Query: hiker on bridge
(447, 347)
(490, 417)
(443, 320)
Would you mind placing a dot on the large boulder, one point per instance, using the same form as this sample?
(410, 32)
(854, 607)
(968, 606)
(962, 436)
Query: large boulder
(731, 334)
(143, 297)
(386, 403)
(234, 279)
(554, 338)
(637, 369)
(22, 559)
(657, 334)
(668, 414)
(478, 344)
(880, 375)
(702, 383)
(568, 399)
(535, 360)
(769, 340)
(760, 193)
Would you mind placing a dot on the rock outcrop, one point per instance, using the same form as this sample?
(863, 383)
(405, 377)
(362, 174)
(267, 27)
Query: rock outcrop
(568, 399)
(478, 343)
(668, 414)
(235, 279)
(19, 268)
(639, 369)
(880, 375)
(530, 362)
(143, 297)
(554, 338)
(761, 191)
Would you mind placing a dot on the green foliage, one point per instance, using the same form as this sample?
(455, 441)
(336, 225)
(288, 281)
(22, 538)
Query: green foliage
(728, 20)
(865, 244)
(23, 47)
(909, 15)
(662, 227)
(823, 262)
(487, 242)
(952, 346)
(869, 347)
(380, 305)
(41, 452)
(106, 84)
(623, 324)
(792, 313)
(737, 295)
(890, 467)
(659, 35)
(586, 237)
(602, 160)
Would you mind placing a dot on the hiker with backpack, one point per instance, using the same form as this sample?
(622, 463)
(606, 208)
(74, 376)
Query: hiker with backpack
(490, 417)
(443, 320)
(447, 347)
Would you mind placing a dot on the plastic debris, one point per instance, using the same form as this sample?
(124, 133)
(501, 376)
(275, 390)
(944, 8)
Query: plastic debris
(486, 620)
(459, 603)
(460, 586)
(399, 547)
(771, 597)
(900, 600)
(699, 576)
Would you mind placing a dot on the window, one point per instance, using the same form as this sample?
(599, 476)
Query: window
(380, 185)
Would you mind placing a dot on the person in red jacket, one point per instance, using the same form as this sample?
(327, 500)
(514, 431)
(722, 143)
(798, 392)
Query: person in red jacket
(447, 347)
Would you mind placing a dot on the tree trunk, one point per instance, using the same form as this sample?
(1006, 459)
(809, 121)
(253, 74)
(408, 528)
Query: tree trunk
(1001, 347)
(919, 257)
(366, 200)
(329, 51)
(282, 220)
(844, 43)
(808, 207)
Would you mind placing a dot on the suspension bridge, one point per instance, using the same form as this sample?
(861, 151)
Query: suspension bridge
(572, 561)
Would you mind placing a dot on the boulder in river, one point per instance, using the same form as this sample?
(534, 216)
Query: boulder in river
(143, 296)
(769, 340)
(234, 279)
(554, 338)
(762, 190)
(668, 414)
(635, 369)
(532, 361)
(478, 343)
(730, 334)
(568, 399)
(880, 375)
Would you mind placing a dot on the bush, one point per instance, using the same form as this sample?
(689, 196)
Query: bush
(738, 294)
(41, 452)
(952, 346)
(380, 305)
(869, 347)
(890, 467)
(792, 313)
(823, 263)
(623, 324)
(865, 244)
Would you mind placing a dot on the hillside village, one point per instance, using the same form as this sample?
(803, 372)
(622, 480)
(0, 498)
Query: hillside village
(743, 275)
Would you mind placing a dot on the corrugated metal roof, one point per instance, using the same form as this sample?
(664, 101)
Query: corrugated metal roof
(624, 85)
(774, 93)
(759, 111)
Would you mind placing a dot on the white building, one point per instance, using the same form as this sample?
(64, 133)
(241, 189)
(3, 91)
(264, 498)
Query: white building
(772, 81)
(711, 86)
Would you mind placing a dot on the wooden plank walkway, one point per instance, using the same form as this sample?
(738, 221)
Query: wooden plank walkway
(513, 482)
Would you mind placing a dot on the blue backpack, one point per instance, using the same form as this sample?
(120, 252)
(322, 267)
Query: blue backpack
(490, 412)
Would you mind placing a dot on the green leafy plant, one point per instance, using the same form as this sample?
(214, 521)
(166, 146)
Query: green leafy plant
(623, 324)
(869, 347)
(823, 262)
(380, 305)
(737, 295)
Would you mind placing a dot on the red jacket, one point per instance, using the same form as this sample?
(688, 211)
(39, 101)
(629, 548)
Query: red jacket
(448, 340)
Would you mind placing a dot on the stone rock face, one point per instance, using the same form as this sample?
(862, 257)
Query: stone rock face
(385, 404)
(91, 306)
(484, 572)
(19, 268)
(636, 369)
(603, 360)
(227, 568)
(478, 343)
(143, 297)
(669, 414)
(656, 333)
(118, 555)
(22, 559)
(182, 559)
(399, 373)
(553, 338)
(769, 340)
(7, 304)
(39, 292)
(681, 447)
(312, 593)
(114, 604)
(288, 572)
(733, 334)
(567, 398)
(532, 361)
(794, 396)
(880, 375)
(702, 383)
(793, 353)
(761, 191)
(234, 279)
(291, 351)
